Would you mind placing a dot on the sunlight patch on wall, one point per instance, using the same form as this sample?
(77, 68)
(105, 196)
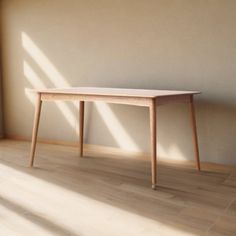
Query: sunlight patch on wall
(173, 152)
(117, 130)
(43, 62)
(32, 76)
(51, 73)
(37, 83)
(112, 123)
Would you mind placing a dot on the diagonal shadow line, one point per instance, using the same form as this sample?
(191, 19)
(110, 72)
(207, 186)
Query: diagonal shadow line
(28, 60)
(34, 64)
(63, 108)
(160, 206)
(35, 219)
(39, 57)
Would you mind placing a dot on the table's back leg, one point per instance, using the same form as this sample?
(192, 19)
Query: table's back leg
(81, 125)
(38, 106)
(194, 128)
(153, 139)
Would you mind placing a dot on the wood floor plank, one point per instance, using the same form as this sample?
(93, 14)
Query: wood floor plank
(231, 210)
(225, 226)
(110, 195)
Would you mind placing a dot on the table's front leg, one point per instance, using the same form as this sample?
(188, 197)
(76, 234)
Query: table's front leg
(38, 106)
(194, 128)
(153, 141)
(81, 125)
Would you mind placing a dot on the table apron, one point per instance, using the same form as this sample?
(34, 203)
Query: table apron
(183, 98)
(128, 100)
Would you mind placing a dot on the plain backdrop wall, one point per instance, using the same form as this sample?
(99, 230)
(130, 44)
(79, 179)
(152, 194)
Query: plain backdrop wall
(1, 108)
(159, 44)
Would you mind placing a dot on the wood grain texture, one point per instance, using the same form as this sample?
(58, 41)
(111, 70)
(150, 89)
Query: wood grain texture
(38, 106)
(194, 129)
(147, 93)
(153, 141)
(106, 194)
(138, 97)
(135, 101)
(81, 127)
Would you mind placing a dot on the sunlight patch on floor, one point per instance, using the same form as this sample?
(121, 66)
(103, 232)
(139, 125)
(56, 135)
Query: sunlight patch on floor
(55, 208)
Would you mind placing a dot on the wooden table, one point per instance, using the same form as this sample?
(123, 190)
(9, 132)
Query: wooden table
(136, 97)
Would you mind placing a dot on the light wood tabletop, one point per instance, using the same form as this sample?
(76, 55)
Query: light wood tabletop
(149, 93)
(137, 97)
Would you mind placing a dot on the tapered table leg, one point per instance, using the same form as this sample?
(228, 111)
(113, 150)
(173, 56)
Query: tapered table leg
(153, 140)
(38, 106)
(81, 125)
(194, 128)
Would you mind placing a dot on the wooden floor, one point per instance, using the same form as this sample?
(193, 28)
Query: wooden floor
(110, 195)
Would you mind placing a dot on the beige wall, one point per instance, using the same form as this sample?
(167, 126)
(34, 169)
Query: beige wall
(1, 108)
(159, 44)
